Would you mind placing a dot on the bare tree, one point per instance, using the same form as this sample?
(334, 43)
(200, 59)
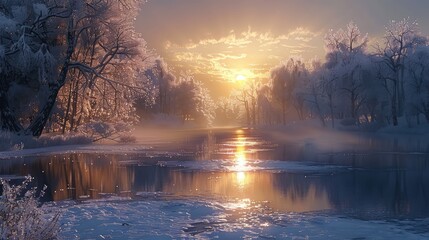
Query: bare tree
(417, 85)
(400, 38)
(346, 55)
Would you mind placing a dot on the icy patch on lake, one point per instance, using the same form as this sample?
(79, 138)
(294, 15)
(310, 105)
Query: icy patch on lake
(251, 165)
(233, 219)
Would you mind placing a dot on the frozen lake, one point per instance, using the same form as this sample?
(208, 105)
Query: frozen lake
(240, 183)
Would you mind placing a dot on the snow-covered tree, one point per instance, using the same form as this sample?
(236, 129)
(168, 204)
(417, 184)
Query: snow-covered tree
(417, 85)
(266, 107)
(399, 40)
(163, 79)
(246, 96)
(342, 44)
(192, 101)
(284, 80)
(227, 111)
(346, 56)
(80, 58)
(325, 92)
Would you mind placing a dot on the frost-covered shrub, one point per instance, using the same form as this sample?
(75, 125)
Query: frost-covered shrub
(118, 132)
(13, 142)
(21, 216)
(66, 139)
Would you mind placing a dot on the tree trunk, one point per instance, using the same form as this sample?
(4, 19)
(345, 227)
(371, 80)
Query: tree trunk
(284, 111)
(38, 124)
(7, 118)
(331, 107)
(246, 106)
(353, 105)
(66, 117)
(394, 111)
(401, 94)
(319, 110)
(75, 102)
(395, 103)
(253, 112)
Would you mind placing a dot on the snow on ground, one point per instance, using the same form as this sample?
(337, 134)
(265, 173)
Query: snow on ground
(210, 219)
(146, 139)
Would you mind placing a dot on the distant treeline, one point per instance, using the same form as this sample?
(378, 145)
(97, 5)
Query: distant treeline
(352, 84)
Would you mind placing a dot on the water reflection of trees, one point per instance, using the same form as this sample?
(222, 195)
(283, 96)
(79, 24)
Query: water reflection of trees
(254, 186)
(74, 176)
(398, 187)
(377, 185)
(83, 175)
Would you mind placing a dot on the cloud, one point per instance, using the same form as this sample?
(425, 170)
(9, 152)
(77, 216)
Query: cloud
(230, 40)
(302, 34)
(222, 56)
(250, 53)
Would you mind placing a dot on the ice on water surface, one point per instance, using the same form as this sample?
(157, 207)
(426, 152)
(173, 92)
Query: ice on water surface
(207, 219)
(232, 187)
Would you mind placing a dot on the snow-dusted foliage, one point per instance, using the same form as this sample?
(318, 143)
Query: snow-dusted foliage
(399, 41)
(417, 85)
(78, 61)
(172, 97)
(40, 9)
(192, 101)
(21, 216)
(227, 111)
(342, 42)
(347, 64)
(354, 85)
(285, 79)
(162, 79)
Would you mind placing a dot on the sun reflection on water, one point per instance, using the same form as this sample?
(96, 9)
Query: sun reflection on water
(240, 164)
(240, 159)
(239, 204)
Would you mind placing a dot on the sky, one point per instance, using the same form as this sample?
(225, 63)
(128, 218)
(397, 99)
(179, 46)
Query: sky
(220, 41)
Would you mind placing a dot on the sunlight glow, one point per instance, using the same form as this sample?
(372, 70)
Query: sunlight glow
(240, 157)
(240, 165)
(240, 160)
(241, 204)
(241, 179)
(240, 77)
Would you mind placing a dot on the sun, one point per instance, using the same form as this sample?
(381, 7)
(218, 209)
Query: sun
(240, 78)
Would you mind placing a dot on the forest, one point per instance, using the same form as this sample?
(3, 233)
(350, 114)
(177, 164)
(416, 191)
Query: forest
(80, 66)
